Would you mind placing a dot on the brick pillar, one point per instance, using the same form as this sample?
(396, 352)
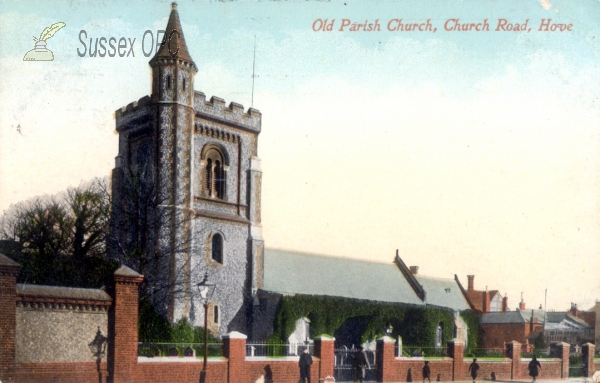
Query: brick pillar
(123, 326)
(9, 270)
(588, 351)
(384, 358)
(325, 351)
(562, 350)
(455, 351)
(234, 349)
(513, 351)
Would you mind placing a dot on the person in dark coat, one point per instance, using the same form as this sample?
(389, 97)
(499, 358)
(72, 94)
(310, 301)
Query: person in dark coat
(304, 364)
(473, 368)
(426, 372)
(533, 367)
(360, 364)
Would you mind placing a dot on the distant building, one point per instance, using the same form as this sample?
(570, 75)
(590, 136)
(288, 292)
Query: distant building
(499, 328)
(529, 326)
(484, 301)
(574, 327)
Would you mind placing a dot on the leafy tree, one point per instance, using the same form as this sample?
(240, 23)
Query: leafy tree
(61, 239)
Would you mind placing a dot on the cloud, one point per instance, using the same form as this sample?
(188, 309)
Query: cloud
(545, 4)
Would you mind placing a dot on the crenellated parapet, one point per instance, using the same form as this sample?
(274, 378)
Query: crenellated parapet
(132, 113)
(215, 109)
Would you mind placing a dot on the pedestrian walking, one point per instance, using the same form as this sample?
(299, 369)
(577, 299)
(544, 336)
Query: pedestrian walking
(426, 372)
(473, 368)
(360, 364)
(304, 364)
(533, 367)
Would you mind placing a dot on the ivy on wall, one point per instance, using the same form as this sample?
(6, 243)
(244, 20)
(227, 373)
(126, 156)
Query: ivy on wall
(416, 325)
(474, 334)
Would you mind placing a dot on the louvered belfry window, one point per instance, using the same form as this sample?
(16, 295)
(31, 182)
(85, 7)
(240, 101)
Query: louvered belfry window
(214, 175)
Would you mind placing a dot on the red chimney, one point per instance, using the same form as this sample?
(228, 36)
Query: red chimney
(522, 303)
(574, 311)
(414, 270)
(471, 284)
(505, 303)
(486, 301)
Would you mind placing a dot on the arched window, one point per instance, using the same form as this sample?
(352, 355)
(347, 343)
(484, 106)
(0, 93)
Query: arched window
(214, 176)
(216, 248)
(439, 335)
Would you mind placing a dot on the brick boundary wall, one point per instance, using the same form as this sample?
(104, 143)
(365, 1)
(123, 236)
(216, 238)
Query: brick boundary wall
(9, 270)
(487, 369)
(563, 351)
(325, 351)
(548, 370)
(513, 351)
(123, 326)
(59, 372)
(455, 351)
(123, 364)
(588, 351)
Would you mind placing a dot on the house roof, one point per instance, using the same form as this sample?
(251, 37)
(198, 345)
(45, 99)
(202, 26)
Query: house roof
(517, 316)
(563, 320)
(6, 261)
(502, 317)
(476, 298)
(442, 292)
(290, 273)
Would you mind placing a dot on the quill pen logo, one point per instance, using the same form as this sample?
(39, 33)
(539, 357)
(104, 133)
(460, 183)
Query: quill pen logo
(40, 52)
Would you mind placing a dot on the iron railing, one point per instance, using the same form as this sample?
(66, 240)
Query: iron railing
(180, 350)
(277, 350)
(421, 352)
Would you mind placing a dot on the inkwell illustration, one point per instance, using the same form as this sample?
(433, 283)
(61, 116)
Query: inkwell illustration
(40, 52)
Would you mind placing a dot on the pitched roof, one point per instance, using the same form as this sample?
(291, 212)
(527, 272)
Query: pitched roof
(517, 316)
(564, 321)
(291, 273)
(442, 292)
(503, 317)
(173, 45)
(6, 261)
(475, 297)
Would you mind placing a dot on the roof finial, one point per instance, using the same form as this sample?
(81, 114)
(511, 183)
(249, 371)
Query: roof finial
(173, 5)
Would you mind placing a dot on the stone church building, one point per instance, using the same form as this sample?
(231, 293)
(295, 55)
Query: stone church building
(186, 192)
(187, 206)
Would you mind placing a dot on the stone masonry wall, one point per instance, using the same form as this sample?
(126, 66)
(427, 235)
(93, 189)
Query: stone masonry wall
(230, 276)
(57, 334)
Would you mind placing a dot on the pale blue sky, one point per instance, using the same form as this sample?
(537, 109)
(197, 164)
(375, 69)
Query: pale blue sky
(470, 152)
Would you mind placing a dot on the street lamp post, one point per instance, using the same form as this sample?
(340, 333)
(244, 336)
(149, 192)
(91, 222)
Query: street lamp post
(206, 290)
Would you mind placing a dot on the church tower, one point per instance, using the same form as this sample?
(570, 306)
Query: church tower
(192, 168)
